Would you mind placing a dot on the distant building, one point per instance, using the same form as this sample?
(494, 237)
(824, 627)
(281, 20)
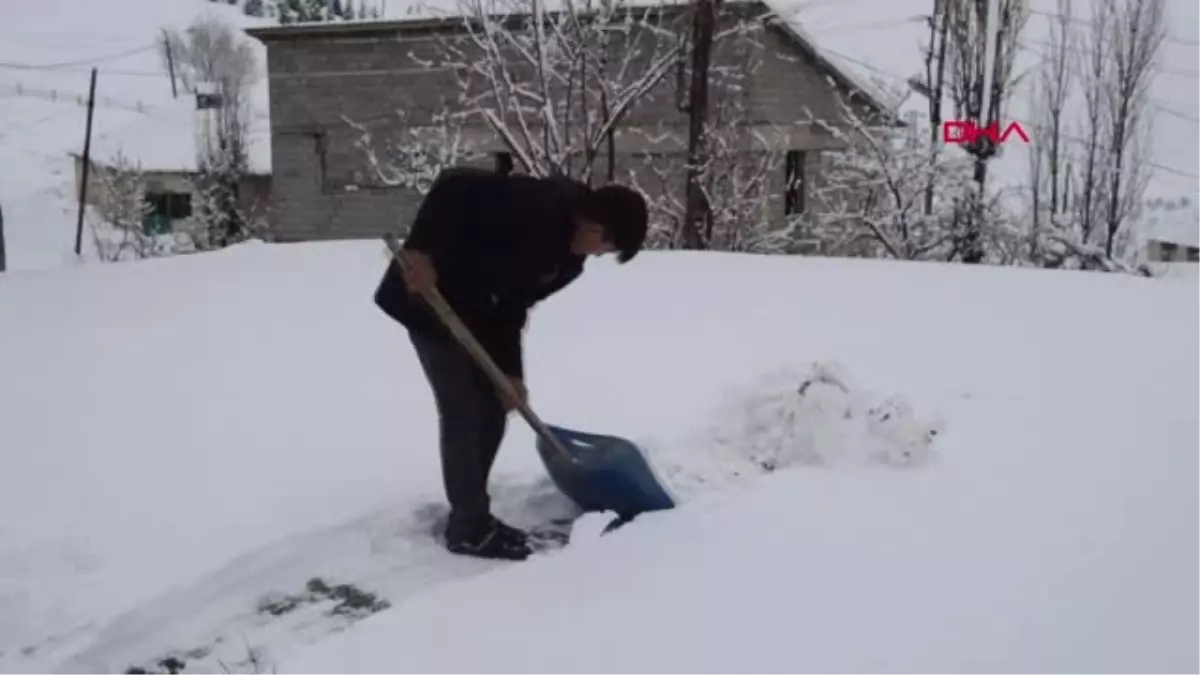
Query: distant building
(1172, 235)
(162, 151)
(323, 75)
(172, 193)
(1158, 250)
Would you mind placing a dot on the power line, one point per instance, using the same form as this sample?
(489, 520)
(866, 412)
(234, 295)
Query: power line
(1177, 72)
(918, 18)
(82, 62)
(1173, 112)
(870, 25)
(864, 64)
(82, 69)
(56, 96)
(1085, 22)
(59, 32)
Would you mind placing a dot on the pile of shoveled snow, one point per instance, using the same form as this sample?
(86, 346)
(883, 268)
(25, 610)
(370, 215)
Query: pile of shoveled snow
(790, 417)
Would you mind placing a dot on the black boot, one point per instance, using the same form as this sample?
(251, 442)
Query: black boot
(487, 538)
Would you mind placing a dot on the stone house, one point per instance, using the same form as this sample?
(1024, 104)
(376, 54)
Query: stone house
(338, 90)
(170, 192)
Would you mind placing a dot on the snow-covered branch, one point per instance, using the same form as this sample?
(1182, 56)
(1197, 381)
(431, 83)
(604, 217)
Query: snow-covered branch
(415, 155)
(216, 63)
(118, 221)
(1095, 176)
(1136, 33)
(982, 51)
(555, 86)
(873, 192)
(593, 90)
(742, 161)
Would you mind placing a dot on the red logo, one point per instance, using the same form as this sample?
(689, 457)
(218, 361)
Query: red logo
(962, 132)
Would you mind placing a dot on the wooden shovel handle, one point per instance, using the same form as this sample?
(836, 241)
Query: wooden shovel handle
(465, 338)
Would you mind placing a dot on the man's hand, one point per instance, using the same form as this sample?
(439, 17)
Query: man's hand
(523, 395)
(419, 275)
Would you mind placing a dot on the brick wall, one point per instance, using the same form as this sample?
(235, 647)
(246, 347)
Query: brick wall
(324, 187)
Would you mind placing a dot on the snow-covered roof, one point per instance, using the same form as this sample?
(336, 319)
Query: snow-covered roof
(792, 15)
(795, 18)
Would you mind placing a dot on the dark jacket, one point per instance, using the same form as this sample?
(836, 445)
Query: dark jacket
(499, 244)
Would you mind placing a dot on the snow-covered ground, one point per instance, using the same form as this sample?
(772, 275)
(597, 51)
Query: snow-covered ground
(188, 443)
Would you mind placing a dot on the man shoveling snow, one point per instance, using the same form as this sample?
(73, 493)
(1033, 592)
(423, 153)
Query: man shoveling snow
(494, 246)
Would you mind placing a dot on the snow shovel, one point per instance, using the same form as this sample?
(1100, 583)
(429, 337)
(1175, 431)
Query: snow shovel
(598, 473)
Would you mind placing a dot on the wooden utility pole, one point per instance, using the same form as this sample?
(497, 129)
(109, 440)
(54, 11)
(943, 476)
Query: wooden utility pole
(170, 63)
(87, 163)
(698, 214)
(3, 253)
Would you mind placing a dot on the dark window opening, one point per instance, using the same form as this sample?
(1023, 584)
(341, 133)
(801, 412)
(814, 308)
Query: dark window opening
(1193, 254)
(1168, 250)
(504, 163)
(166, 207)
(793, 183)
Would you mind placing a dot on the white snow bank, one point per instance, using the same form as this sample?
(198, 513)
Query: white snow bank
(794, 417)
(186, 437)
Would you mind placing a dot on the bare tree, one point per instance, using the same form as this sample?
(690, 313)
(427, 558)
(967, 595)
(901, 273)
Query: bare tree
(875, 191)
(736, 181)
(215, 63)
(558, 90)
(1037, 179)
(738, 164)
(983, 52)
(1117, 56)
(219, 207)
(1094, 63)
(414, 156)
(555, 86)
(121, 222)
(934, 85)
(1049, 159)
(1136, 33)
(1056, 83)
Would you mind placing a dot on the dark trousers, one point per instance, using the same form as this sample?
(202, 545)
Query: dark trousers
(471, 423)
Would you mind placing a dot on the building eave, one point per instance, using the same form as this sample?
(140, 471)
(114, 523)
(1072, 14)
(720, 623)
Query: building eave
(453, 23)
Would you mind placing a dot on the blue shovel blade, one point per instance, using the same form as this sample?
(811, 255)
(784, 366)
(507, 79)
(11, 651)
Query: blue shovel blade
(603, 473)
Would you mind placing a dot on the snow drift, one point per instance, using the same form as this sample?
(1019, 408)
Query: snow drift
(794, 416)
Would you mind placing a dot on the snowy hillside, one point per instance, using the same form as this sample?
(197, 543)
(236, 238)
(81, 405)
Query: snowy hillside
(47, 51)
(190, 442)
